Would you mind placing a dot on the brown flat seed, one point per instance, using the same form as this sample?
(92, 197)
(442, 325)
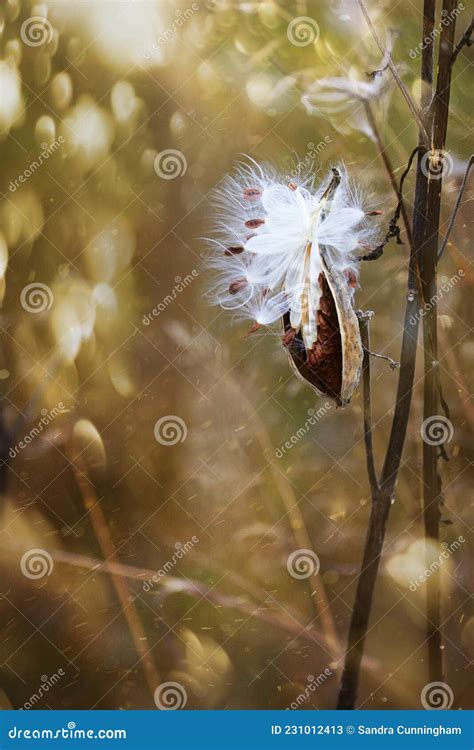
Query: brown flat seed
(288, 337)
(252, 193)
(325, 305)
(293, 186)
(311, 358)
(254, 223)
(234, 250)
(254, 328)
(236, 286)
(351, 278)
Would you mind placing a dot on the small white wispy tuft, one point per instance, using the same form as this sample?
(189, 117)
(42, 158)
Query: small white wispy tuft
(344, 99)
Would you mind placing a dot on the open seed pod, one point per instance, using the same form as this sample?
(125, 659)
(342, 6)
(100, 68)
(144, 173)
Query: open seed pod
(288, 251)
(333, 365)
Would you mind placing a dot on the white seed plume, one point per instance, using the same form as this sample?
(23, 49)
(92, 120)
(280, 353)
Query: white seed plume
(267, 240)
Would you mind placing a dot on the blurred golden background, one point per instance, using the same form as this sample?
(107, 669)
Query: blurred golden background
(117, 119)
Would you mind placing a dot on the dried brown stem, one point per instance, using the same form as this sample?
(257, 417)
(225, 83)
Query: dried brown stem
(465, 41)
(390, 172)
(124, 595)
(382, 497)
(169, 585)
(364, 319)
(431, 384)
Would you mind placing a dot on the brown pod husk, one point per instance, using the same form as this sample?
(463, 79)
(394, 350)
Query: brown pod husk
(333, 366)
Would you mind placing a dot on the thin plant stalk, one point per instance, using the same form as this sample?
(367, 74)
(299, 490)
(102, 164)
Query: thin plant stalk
(428, 265)
(124, 595)
(392, 66)
(382, 492)
(389, 169)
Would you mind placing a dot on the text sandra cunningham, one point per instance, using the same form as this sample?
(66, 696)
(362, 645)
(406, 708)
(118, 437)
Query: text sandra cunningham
(400, 729)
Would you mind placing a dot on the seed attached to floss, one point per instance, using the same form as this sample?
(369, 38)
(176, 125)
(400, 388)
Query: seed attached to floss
(312, 358)
(252, 193)
(351, 278)
(234, 250)
(288, 337)
(254, 223)
(236, 286)
(254, 329)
